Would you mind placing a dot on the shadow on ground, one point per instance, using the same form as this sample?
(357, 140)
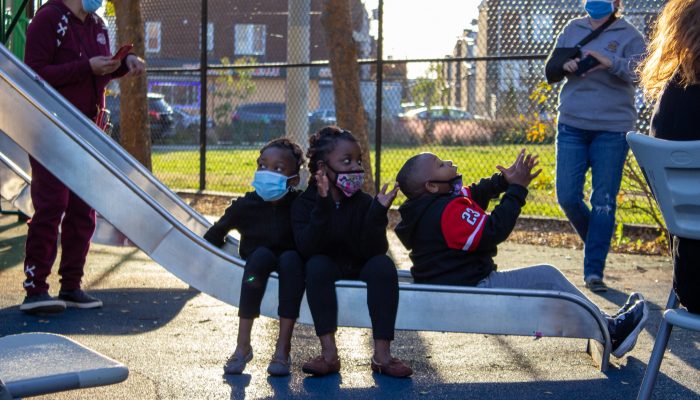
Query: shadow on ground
(622, 384)
(125, 312)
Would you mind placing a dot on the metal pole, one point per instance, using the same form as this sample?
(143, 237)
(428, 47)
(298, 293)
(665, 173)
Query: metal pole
(15, 19)
(298, 52)
(2, 21)
(203, 64)
(379, 95)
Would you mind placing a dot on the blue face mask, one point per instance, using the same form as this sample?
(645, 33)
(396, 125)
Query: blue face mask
(270, 185)
(91, 5)
(599, 9)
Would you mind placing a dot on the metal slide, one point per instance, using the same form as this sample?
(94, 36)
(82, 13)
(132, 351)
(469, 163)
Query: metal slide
(152, 217)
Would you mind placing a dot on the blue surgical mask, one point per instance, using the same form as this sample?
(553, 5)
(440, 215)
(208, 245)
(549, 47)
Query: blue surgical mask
(91, 5)
(599, 9)
(270, 185)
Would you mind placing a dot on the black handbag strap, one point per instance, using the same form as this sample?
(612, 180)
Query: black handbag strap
(597, 32)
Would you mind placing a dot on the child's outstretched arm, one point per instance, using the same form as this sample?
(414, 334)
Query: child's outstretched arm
(467, 227)
(230, 220)
(487, 189)
(310, 221)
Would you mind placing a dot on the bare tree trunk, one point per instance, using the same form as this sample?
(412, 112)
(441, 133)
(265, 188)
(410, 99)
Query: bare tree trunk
(350, 112)
(134, 127)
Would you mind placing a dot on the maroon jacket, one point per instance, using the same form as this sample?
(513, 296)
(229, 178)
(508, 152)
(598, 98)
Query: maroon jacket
(59, 47)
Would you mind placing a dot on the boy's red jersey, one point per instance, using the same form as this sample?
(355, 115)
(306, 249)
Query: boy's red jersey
(462, 222)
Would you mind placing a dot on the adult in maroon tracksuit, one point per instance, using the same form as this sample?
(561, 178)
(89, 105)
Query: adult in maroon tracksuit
(68, 46)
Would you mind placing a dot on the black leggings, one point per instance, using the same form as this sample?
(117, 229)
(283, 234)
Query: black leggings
(686, 272)
(258, 267)
(379, 272)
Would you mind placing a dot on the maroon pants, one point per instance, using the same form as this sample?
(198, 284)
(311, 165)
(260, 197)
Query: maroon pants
(54, 205)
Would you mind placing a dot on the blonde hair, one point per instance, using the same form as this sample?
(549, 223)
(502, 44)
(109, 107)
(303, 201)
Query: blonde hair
(674, 48)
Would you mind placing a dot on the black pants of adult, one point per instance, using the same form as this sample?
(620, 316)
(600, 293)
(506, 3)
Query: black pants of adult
(686, 272)
(379, 272)
(259, 264)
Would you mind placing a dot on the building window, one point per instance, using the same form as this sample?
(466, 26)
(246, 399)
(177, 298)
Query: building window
(210, 37)
(542, 28)
(249, 40)
(153, 37)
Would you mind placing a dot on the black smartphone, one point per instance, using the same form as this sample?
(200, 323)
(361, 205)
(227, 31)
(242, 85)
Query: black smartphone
(586, 64)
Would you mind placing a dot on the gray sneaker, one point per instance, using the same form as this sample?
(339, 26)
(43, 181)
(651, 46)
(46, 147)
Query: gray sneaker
(235, 365)
(279, 367)
(79, 299)
(42, 303)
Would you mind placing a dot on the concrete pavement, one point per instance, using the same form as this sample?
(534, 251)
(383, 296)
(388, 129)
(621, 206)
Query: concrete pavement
(175, 340)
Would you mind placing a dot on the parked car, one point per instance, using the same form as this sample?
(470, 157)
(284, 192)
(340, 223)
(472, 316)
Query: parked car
(258, 122)
(160, 116)
(323, 116)
(266, 113)
(184, 120)
(439, 113)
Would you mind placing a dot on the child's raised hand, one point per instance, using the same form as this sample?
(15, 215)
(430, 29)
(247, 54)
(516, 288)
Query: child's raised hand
(385, 198)
(520, 173)
(322, 183)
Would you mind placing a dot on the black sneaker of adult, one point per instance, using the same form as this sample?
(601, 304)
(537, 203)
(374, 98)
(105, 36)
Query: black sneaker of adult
(79, 299)
(42, 303)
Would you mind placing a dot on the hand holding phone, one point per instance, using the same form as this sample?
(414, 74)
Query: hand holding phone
(586, 64)
(123, 52)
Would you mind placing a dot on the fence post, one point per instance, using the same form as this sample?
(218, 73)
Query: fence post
(203, 92)
(297, 88)
(378, 103)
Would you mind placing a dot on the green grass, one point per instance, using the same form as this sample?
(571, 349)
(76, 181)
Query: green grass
(231, 170)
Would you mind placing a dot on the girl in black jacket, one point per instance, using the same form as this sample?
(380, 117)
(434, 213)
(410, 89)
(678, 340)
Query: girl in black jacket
(341, 231)
(670, 77)
(263, 219)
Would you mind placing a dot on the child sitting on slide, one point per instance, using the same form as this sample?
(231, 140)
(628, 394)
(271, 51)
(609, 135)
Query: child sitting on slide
(263, 218)
(453, 240)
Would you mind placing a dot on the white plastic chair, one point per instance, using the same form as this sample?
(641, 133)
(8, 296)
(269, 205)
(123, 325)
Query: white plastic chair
(672, 170)
(33, 364)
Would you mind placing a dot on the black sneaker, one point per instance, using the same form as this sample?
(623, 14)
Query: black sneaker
(625, 328)
(634, 297)
(42, 303)
(79, 299)
(596, 284)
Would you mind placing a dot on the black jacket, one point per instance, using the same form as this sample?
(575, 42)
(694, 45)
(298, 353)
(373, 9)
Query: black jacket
(260, 223)
(452, 240)
(677, 113)
(351, 233)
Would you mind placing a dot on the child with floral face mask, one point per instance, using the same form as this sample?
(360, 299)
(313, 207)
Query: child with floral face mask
(341, 231)
(263, 220)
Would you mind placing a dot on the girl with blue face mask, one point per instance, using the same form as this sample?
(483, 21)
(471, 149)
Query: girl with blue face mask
(263, 219)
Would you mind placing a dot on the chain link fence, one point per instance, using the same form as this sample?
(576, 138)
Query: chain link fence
(477, 106)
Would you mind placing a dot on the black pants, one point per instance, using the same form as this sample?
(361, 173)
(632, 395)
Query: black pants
(258, 267)
(686, 272)
(379, 272)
